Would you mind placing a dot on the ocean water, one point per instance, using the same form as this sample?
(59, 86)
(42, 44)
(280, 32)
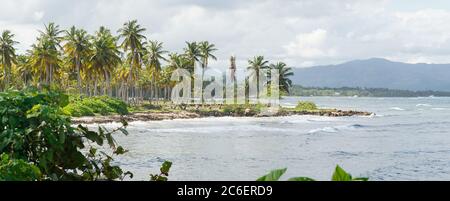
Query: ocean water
(407, 139)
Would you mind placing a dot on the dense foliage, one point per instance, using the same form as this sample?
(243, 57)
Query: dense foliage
(362, 92)
(17, 170)
(338, 175)
(34, 130)
(128, 65)
(90, 106)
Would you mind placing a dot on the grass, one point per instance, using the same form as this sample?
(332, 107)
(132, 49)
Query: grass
(98, 105)
(306, 106)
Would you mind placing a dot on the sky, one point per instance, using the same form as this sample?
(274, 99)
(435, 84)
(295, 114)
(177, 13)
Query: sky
(300, 33)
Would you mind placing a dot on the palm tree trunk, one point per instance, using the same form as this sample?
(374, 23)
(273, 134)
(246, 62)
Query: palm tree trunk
(257, 84)
(95, 87)
(47, 74)
(151, 93)
(130, 76)
(6, 72)
(108, 85)
(155, 94)
(51, 74)
(78, 75)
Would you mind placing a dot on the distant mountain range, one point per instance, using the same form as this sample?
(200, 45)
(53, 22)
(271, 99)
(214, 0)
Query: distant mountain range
(376, 73)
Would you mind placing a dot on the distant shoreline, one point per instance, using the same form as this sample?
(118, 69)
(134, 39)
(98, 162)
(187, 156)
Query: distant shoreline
(298, 90)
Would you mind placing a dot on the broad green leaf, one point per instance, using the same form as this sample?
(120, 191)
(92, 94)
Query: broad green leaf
(340, 175)
(274, 175)
(120, 150)
(165, 167)
(301, 179)
(361, 179)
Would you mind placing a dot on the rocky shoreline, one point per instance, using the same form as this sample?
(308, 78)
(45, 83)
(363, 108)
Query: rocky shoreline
(157, 116)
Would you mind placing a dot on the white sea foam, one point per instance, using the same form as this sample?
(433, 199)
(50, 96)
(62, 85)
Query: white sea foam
(335, 129)
(440, 108)
(423, 105)
(324, 129)
(397, 108)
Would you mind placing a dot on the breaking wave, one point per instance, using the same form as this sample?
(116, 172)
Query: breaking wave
(335, 129)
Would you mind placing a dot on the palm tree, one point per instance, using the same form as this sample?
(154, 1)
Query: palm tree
(122, 73)
(105, 57)
(43, 57)
(192, 52)
(155, 55)
(50, 40)
(77, 48)
(7, 55)
(132, 34)
(233, 68)
(24, 69)
(165, 80)
(257, 65)
(206, 50)
(284, 73)
(179, 61)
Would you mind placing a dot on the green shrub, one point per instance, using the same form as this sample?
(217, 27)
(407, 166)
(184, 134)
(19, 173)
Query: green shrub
(233, 108)
(17, 170)
(97, 105)
(33, 128)
(306, 105)
(117, 105)
(90, 106)
(78, 109)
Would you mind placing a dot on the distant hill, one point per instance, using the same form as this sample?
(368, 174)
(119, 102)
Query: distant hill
(376, 73)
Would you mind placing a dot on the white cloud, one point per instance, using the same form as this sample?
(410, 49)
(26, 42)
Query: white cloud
(301, 33)
(310, 45)
(38, 15)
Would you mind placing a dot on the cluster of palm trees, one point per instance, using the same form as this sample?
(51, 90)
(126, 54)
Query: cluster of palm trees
(127, 65)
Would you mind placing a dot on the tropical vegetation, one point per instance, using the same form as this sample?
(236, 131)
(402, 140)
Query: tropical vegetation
(125, 64)
(96, 105)
(39, 142)
(305, 106)
(71, 72)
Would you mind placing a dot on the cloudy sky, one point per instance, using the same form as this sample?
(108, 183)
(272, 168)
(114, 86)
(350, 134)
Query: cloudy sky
(301, 33)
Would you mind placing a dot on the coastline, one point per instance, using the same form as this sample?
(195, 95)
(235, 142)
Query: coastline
(170, 115)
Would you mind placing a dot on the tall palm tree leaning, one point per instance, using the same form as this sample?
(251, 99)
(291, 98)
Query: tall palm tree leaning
(257, 64)
(206, 51)
(50, 40)
(132, 34)
(192, 52)
(284, 72)
(105, 58)
(40, 58)
(155, 54)
(7, 55)
(193, 55)
(77, 47)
